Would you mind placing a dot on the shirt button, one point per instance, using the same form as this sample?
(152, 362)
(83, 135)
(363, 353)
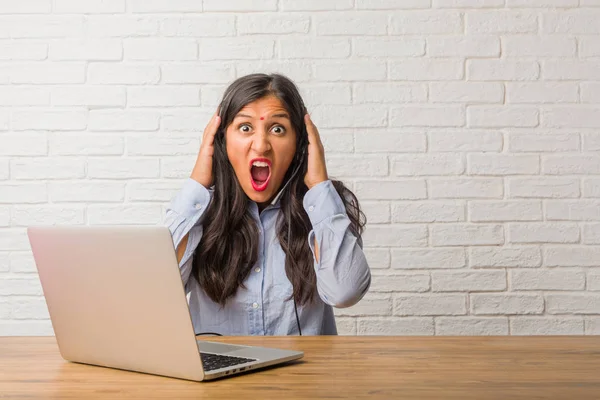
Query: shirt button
(198, 206)
(254, 305)
(257, 269)
(311, 208)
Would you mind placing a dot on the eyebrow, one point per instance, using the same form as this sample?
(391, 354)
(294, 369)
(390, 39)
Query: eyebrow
(280, 115)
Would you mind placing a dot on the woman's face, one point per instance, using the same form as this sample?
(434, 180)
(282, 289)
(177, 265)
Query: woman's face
(261, 144)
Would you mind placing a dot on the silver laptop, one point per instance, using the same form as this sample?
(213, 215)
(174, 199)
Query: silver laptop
(116, 299)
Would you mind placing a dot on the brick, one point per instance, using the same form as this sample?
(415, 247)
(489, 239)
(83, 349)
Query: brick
(593, 281)
(467, 281)
(4, 120)
(29, 308)
(164, 6)
(576, 256)
(26, 328)
(590, 91)
(88, 7)
(86, 50)
(272, 23)
(468, 3)
(346, 326)
(91, 96)
(592, 326)
(591, 187)
(126, 120)
(547, 279)
(543, 233)
(47, 215)
(351, 23)
(67, 144)
(588, 47)
(377, 212)
(543, 143)
(123, 73)
(177, 167)
(429, 164)
(43, 73)
(428, 258)
(411, 211)
(44, 26)
(337, 141)
(298, 70)
(565, 69)
(536, 326)
(591, 141)
(465, 46)
(466, 92)
(430, 304)
(396, 326)
(437, 116)
(4, 222)
(509, 257)
(47, 168)
(391, 190)
(15, 96)
(572, 303)
(466, 235)
(357, 166)
(388, 47)
(499, 211)
(26, 7)
(334, 93)
(307, 47)
(502, 116)
(245, 48)
(571, 117)
(391, 4)
(541, 3)
(475, 188)
(153, 49)
(426, 22)
(502, 70)
(579, 22)
(4, 169)
(427, 70)
(124, 214)
(506, 304)
(343, 116)
(336, 71)
(591, 233)
(500, 164)
(536, 46)
(240, 5)
(505, 21)
(571, 164)
(86, 191)
(24, 144)
(396, 235)
(191, 73)
(316, 5)
(122, 168)
(44, 119)
(543, 187)
(582, 210)
(370, 305)
(120, 26)
(374, 92)
(400, 283)
(163, 96)
(541, 92)
(13, 239)
(151, 190)
(465, 140)
(378, 258)
(19, 50)
(471, 326)
(23, 193)
(157, 146)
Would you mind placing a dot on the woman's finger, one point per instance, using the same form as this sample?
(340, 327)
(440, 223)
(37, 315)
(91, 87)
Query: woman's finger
(212, 128)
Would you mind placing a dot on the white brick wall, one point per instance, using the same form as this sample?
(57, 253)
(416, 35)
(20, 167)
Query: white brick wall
(467, 128)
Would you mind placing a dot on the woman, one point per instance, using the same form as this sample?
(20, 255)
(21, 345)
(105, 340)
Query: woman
(266, 242)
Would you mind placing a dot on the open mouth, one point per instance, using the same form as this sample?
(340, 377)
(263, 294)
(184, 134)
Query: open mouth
(260, 173)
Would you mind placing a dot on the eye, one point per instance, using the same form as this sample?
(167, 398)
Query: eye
(245, 128)
(279, 130)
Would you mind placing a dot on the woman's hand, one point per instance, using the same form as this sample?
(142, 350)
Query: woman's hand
(202, 171)
(317, 170)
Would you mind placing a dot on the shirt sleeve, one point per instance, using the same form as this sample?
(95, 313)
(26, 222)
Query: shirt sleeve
(184, 216)
(343, 274)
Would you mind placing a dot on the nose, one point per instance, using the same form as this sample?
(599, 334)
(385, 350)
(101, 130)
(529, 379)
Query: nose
(261, 144)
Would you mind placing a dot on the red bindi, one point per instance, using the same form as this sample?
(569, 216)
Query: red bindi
(261, 118)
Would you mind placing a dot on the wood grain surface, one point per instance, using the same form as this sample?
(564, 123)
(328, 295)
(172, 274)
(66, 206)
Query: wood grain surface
(373, 367)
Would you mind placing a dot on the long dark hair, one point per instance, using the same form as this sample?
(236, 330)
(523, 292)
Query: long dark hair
(229, 245)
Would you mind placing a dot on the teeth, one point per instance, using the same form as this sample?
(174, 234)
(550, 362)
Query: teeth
(260, 164)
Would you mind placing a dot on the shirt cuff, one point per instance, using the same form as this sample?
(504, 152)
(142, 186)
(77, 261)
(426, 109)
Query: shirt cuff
(192, 199)
(322, 202)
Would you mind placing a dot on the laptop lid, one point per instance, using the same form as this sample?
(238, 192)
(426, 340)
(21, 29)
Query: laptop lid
(116, 298)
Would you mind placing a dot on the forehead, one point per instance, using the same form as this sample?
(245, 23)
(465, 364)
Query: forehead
(263, 107)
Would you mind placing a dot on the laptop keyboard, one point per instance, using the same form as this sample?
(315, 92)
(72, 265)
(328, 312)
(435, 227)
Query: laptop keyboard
(211, 361)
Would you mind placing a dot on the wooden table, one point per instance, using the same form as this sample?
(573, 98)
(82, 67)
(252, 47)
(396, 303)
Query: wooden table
(374, 367)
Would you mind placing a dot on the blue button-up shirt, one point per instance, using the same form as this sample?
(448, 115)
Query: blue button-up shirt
(343, 275)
